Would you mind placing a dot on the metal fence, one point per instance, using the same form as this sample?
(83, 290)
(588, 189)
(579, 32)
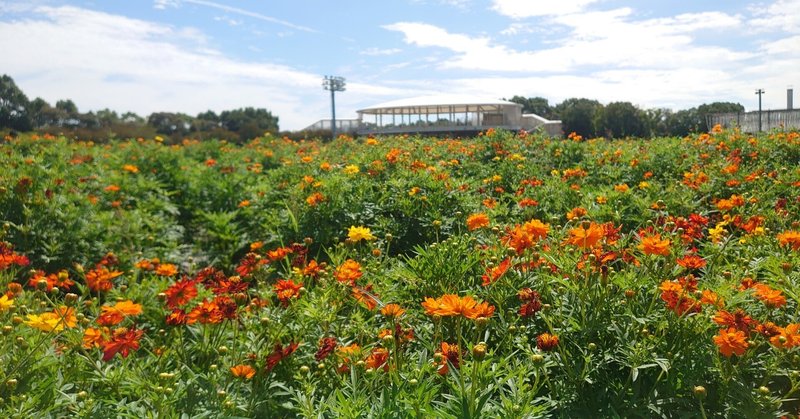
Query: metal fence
(748, 121)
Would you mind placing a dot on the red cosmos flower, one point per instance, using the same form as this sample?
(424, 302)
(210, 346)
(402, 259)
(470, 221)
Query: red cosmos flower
(177, 317)
(326, 347)
(123, 341)
(286, 289)
(378, 358)
(8, 257)
(532, 303)
(279, 353)
(226, 306)
(451, 355)
(495, 273)
(248, 264)
(692, 262)
(228, 285)
(312, 269)
(181, 292)
(546, 341)
(738, 320)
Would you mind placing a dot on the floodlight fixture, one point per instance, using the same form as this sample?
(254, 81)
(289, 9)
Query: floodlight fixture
(334, 84)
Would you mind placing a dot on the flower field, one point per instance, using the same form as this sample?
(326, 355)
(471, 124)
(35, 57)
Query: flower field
(506, 275)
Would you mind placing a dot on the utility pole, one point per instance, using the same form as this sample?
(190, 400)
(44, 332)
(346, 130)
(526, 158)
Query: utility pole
(334, 84)
(759, 92)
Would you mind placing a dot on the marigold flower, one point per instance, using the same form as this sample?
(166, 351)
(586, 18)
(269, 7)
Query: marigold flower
(546, 341)
(356, 234)
(790, 238)
(348, 272)
(476, 221)
(731, 341)
(654, 245)
(243, 371)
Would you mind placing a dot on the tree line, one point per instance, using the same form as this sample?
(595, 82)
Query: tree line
(589, 118)
(18, 113)
(586, 117)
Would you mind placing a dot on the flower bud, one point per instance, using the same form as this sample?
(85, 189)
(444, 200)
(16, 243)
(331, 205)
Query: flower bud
(700, 392)
(763, 390)
(223, 349)
(479, 351)
(7, 330)
(537, 359)
(304, 369)
(41, 285)
(70, 299)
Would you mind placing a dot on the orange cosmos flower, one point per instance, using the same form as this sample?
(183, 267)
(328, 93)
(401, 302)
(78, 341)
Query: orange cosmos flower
(788, 336)
(99, 279)
(731, 341)
(495, 273)
(130, 168)
(482, 310)
(576, 212)
(453, 305)
(654, 245)
(790, 238)
(476, 221)
(112, 315)
(586, 235)
(392, 310)
(769, 296)
(738, 320)
(94, 338)
(207, 312)
(348, 272)
(315, 199)
(166, 269)
(287, 289)
(243, 371)
(546, 341)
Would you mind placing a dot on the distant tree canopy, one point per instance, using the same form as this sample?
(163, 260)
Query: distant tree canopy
(19, 114)
(589, 118)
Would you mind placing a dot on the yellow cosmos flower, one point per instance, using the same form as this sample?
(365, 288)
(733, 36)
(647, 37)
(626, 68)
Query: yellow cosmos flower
(351, 169)
(356, 234)
(6, 303)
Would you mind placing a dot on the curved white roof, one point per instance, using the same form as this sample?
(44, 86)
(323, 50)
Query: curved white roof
(421, 103)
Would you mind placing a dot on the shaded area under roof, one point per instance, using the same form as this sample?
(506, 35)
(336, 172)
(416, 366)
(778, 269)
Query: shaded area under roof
(437, 103)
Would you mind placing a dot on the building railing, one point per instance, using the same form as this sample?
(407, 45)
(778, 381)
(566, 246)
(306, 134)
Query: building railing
(784, 119)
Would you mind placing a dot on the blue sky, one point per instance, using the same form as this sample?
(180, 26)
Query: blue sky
(193, 55)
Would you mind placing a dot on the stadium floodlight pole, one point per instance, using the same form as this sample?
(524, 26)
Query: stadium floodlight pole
(334, 84)
(759, 92)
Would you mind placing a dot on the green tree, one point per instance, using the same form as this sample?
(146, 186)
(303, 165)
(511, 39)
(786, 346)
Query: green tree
(579, 115)
(13, 106)
(249, 122)
(537, 105)
(622, 119)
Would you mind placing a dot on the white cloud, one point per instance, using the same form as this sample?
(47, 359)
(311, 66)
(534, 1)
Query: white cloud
(518, 9)
(163, 4)
(782, 15)
(101, 60)
(379, 51)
